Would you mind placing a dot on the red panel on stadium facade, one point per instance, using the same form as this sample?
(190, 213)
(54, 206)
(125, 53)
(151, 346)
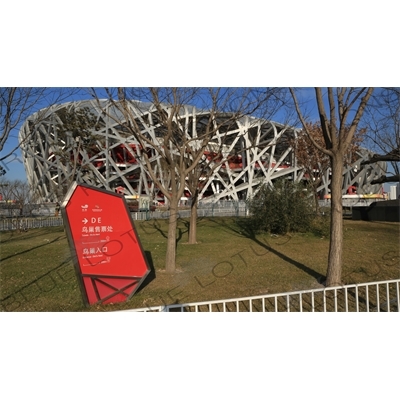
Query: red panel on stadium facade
(108, 257)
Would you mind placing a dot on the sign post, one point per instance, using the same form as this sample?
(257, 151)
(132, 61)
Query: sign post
(107, 254)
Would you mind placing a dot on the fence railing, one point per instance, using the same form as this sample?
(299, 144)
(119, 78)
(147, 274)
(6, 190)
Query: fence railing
(24, 223)
(365, 297)
(226, 210)
(205, 209)
(182, 213)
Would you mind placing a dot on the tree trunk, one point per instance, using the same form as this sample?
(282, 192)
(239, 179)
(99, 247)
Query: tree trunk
(334, 272)
(316, 201)
(170, 258)
(193, 220)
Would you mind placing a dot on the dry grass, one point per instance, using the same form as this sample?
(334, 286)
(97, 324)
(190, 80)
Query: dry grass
(37, 273)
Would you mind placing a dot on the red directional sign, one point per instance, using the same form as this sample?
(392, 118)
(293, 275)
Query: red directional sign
(108, 256)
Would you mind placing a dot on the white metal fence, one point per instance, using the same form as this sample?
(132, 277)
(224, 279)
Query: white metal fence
(365, 297)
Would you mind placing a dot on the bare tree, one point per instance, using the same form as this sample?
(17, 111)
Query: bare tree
(16, 197)
(17, 103)
(316, 163)
(346, 107)
(172, 143)
(6, 197)
(265, 102)
(383, 118)
(22, 194)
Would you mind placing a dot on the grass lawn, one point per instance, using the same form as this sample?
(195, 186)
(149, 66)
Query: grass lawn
(37, 273)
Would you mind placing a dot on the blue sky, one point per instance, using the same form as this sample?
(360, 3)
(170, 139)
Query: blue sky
(14, 166)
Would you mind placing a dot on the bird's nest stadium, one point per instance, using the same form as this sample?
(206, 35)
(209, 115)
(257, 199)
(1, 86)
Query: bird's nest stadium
(251, 152)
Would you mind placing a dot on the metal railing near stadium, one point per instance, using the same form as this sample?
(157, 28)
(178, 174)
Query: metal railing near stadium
(228, 208)
(25, 223)
(382, 296)
(222, 209)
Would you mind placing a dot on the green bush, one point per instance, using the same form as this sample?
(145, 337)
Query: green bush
(320, 226)
(284, 208)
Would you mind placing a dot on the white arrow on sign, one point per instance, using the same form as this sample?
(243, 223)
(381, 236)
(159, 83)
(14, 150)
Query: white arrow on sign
(85, 221)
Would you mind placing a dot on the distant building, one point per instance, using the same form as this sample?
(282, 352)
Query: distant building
(394, 190)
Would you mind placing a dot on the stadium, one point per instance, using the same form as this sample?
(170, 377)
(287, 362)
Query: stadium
(241, 156)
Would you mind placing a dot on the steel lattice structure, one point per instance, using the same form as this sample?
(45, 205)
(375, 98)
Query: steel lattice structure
(254, 151)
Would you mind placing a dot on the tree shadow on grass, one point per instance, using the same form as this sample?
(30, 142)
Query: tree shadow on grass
(33, 248)
(32, 233)
(244, 227)
(319, 277)
(164, 232)
(40, 285)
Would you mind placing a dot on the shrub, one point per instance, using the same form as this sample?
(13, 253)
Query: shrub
(283, 208)
(320, 226)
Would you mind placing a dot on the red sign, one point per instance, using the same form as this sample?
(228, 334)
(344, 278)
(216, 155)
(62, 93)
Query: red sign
(107, 253)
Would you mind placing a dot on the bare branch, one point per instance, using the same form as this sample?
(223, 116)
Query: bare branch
(325, 150)
(385, 179)
(394, 155)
